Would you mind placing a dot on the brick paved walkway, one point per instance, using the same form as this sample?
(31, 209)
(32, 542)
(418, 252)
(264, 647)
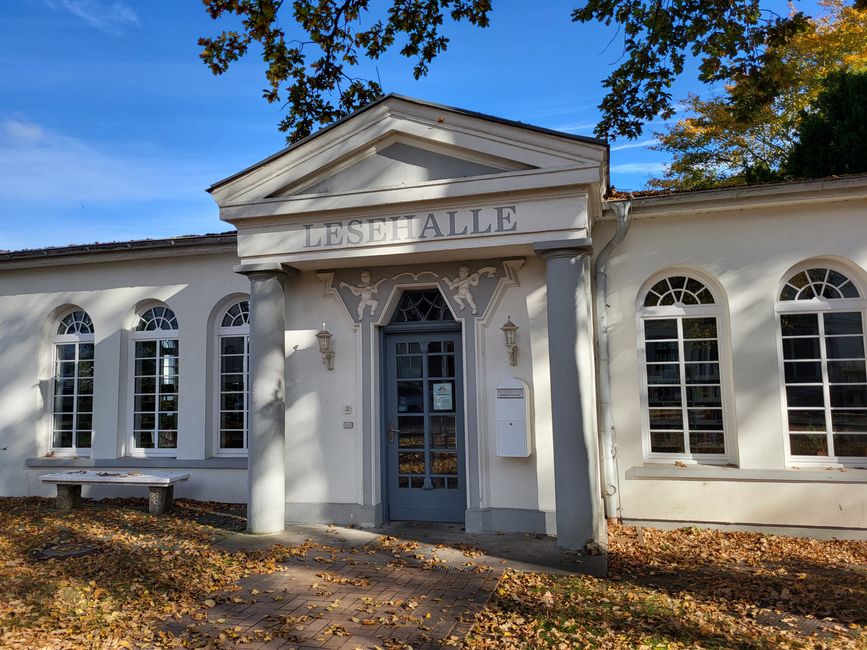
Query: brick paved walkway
(390, 594)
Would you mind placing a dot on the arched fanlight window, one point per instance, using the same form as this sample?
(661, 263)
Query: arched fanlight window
(422, 306)
(819, 283)
(824, 366)
(72, 399)
(238, 315)
(683, 378)
(157, 318)
(233, 341)
(678, 289)
(156, 356)
(78, 322)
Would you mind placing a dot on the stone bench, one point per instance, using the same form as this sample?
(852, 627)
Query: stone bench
(160, 484)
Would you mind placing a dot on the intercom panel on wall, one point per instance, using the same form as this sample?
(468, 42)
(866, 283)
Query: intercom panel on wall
(513, 418)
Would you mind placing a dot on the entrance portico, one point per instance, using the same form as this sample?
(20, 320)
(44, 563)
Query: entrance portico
(405, 198)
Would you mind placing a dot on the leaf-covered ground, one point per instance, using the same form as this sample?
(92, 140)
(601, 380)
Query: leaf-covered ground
(690, 588)
(148, 570)
(683, 588)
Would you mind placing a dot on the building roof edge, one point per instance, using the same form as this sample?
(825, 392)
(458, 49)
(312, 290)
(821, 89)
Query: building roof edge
(136, 247)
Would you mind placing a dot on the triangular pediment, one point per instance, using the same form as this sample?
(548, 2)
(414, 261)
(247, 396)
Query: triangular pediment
(400, 150)
(397, 162)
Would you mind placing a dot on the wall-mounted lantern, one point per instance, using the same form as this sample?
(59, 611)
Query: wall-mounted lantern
(510, 330)
(324, 338)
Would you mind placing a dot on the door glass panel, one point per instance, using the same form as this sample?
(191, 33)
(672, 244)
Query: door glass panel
(409, 367)
(425, 414)
(410, 462)
(411, 432)
(442, 395)
(442, 431)
(441, 365)
(444, 463)
(410, 397)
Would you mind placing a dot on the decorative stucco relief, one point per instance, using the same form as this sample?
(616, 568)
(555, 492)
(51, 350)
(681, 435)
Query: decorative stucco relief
(365, 290)
(464, 283)
(469, 293)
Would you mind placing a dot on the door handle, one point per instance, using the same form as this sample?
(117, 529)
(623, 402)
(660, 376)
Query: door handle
(392, 429)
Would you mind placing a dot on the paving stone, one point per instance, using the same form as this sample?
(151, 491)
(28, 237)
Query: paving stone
(448, 592)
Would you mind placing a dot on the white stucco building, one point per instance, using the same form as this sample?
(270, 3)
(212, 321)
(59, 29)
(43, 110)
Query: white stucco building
(696, 358)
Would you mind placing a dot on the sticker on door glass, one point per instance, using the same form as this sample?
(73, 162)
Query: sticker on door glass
(442, 396)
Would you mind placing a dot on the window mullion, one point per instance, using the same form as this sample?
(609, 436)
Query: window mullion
(826, 388)
(246, 388)
(75, 374)
(425, 374)
(682, 371)
(157, 395)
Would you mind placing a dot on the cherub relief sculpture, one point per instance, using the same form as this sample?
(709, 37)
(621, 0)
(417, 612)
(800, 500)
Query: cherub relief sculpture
(464, 282)
(365, 290)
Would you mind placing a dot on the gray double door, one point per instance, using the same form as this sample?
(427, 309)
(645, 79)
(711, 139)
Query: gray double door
(424, 429)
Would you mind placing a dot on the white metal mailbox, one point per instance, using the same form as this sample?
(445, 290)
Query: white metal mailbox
(513, 418)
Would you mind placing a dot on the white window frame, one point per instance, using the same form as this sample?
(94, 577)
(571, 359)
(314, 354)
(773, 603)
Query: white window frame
(221, 333)
(816, 306)
(153, 335)
(67, 339)
(680, 311)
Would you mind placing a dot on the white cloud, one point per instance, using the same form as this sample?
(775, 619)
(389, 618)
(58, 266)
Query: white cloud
(638, 168)
(38, 165)
(576, 128)
(21, 131)
(109, 16)
(635, 145)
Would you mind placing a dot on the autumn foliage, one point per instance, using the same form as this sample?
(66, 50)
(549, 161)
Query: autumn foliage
(666, 589)
(746, 134)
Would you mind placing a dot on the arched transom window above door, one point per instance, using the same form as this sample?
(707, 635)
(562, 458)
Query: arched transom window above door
(824, 367)
(425, 306)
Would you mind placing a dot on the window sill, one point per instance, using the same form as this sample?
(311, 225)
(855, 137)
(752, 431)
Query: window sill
(229, 453)
(139, 462)
(718, 473)
(70, 453)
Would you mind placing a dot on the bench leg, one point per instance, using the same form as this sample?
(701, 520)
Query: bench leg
(161, 499)
(68, 497)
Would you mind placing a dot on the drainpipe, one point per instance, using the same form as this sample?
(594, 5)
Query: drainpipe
(611, 496)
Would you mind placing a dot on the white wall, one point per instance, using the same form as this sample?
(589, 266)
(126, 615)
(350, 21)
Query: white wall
(323, 460)
(523, 483)
(748, 253)
(110, 292)
(323, 456)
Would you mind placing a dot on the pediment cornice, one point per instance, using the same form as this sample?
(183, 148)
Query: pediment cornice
(513, 157)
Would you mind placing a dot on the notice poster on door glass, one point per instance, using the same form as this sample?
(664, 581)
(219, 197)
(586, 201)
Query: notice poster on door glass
(442, 396)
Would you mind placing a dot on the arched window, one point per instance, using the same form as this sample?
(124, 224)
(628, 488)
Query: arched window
(823, 360)
(422, 306)
(156, 354)
(683, 385)
(233, 340)
(72, 404)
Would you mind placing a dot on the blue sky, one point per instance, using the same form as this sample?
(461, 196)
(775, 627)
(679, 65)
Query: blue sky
(111, 127)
